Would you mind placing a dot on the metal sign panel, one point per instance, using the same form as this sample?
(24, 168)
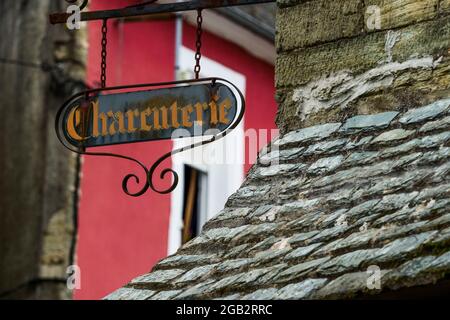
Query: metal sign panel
(210, 107)
(186, 111)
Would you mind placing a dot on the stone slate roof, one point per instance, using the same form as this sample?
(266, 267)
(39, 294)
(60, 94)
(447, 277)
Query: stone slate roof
(373, 190)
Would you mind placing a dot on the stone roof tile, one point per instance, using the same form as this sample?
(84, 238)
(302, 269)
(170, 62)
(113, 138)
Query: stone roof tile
(368, 122)
(329, 204)
(424, 113)
(308, 134)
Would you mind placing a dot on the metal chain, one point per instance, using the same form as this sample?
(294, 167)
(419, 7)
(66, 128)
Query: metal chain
(104, 53)
(198, 44)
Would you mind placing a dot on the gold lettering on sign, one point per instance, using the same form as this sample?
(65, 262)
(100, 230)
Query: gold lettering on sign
(186, 115)
(213, 107)
(104, 118)
(165, 118)
(117, 119)
(130, 115)
(174, 109)
(156, 120)
(224, 106)
(73, 121)
(112, 122)
(199, 107)
(144, 114)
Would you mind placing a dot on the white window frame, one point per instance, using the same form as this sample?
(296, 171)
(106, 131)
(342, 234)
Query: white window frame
(223, 179)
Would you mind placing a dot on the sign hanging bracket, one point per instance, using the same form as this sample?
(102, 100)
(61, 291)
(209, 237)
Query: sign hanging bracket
(148, 8)
(209, 107)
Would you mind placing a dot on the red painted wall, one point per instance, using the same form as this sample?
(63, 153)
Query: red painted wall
(122, 237)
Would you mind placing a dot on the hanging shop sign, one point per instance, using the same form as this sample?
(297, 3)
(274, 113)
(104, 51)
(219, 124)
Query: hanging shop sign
(210, 108)
(183, 111)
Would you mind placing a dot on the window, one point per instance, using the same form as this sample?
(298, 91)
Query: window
(195, 198)
(221, 177)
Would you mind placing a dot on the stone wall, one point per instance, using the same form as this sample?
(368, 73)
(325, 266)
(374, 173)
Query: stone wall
(37, 175)
(337, 59)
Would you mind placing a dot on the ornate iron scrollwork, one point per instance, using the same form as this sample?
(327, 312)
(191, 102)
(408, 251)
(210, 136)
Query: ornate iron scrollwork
(149, 172)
